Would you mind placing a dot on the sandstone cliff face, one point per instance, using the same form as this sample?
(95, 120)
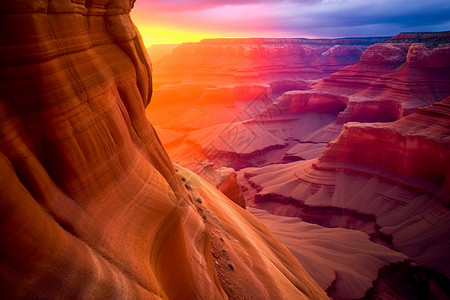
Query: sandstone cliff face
(390, 80)
(270, 59)
(91, 206)
(431, 39)
(388, 180)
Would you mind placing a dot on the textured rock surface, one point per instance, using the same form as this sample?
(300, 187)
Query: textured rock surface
(91, 206)
(392, 80)
(416, 147)
(300, 102)
(269, 59)
(431, 39)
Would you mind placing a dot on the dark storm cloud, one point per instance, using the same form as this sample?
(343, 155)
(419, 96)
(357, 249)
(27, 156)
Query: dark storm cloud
(352, 13)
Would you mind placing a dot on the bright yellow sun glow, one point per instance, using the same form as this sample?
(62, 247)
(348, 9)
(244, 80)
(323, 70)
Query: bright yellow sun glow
(164, 35)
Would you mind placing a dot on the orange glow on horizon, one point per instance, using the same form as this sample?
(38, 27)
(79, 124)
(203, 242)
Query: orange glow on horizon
(153, 35)
(167, 35)
(154, 31)
(163, 33)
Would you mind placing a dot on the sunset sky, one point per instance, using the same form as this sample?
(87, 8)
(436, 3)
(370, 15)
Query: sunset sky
(176, 21)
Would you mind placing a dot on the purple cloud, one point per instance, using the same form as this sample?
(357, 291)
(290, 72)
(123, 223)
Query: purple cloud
(320, 18)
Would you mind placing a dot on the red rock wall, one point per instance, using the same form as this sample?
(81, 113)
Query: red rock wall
(415, 146)
(395, 77)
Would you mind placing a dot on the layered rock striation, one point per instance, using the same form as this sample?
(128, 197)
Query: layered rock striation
(234, 70)
(416, 147)
(91, 206)
(392, 80)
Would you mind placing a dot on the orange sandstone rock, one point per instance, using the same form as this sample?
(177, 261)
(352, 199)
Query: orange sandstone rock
(91, 207)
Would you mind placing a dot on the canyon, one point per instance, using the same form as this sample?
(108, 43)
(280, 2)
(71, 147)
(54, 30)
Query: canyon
(341, 147)
(224, 169)
(91, 205)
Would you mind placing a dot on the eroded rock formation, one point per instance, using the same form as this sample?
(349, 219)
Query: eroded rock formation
(91, 206)
(417, 146)
(393, 79)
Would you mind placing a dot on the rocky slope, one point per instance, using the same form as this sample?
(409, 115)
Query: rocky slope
(342, 261)
(91, 206)
(223, 178)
